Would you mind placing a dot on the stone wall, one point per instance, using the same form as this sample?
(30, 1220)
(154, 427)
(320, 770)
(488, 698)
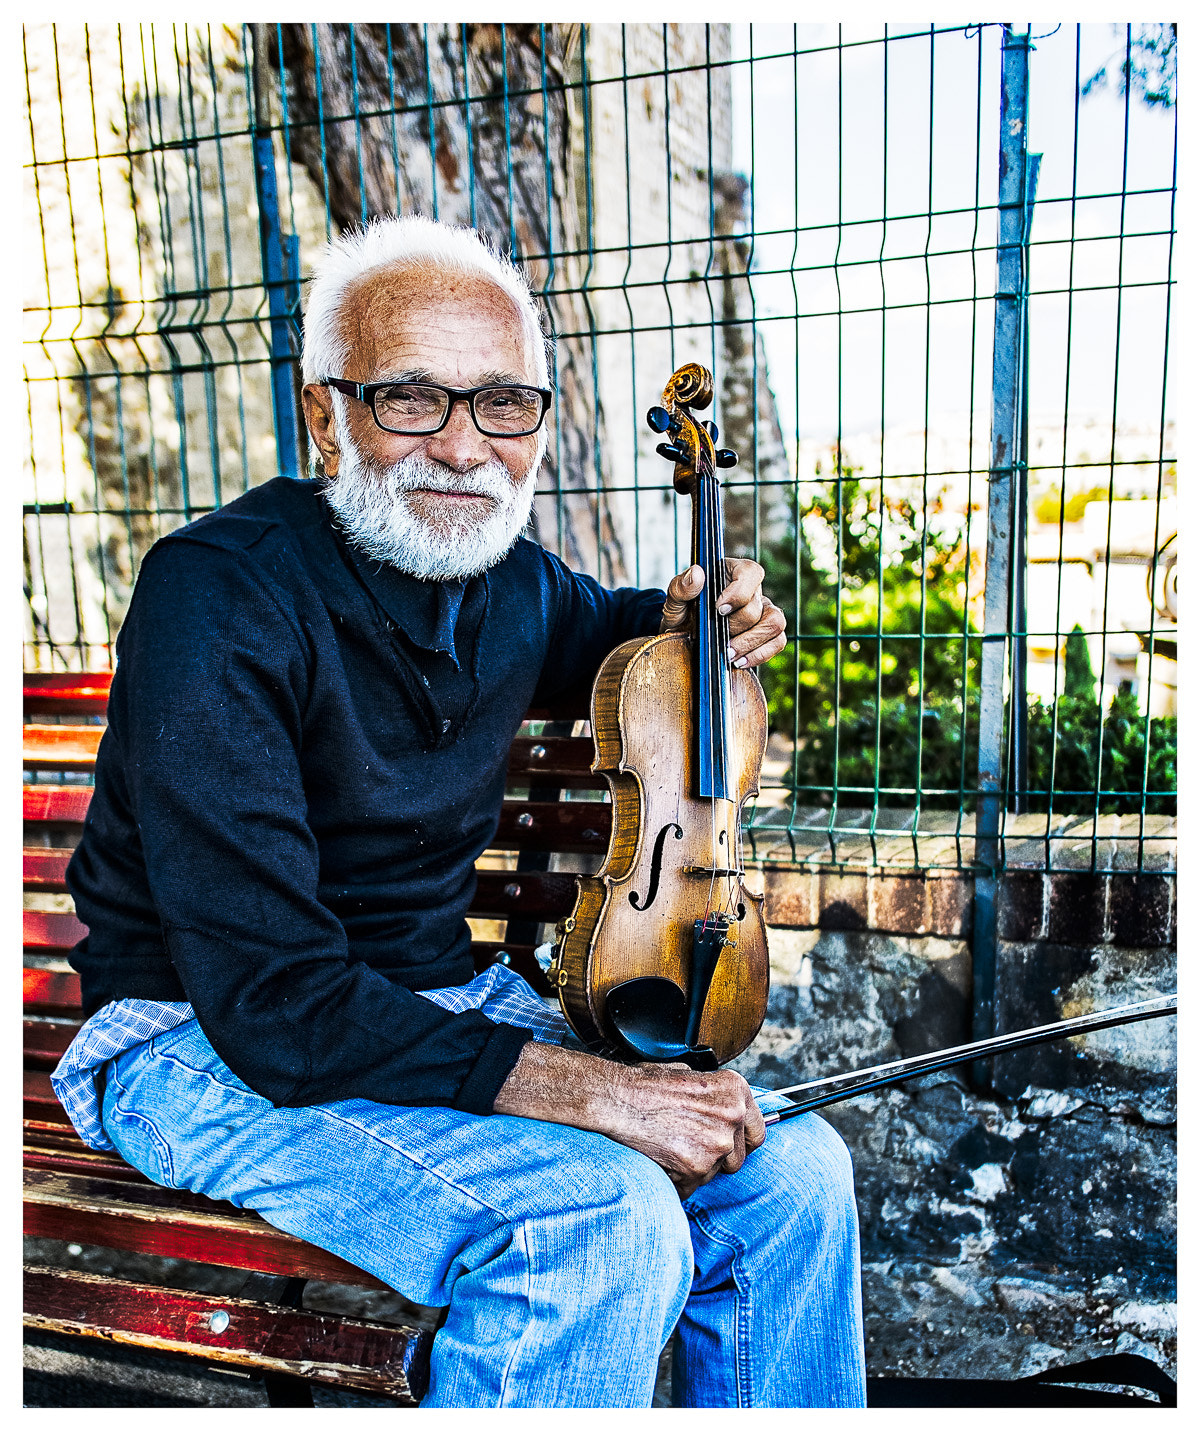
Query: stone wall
(1008, 1230)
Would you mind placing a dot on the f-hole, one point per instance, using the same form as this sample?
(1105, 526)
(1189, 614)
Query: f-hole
(655, 867)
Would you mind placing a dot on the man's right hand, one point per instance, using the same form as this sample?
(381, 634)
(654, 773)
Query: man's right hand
(693, 1125)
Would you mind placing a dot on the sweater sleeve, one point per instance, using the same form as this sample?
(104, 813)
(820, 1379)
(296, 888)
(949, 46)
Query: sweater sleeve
(591, 620)
(206, 717)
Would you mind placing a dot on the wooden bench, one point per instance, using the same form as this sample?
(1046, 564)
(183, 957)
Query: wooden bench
(76, 1195)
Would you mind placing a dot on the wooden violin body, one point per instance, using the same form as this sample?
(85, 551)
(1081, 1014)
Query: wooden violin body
(665, 953)
(640, 909)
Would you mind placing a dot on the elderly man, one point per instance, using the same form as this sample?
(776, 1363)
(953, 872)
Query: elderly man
(315, 694)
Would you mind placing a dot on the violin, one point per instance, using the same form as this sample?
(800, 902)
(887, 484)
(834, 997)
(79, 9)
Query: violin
(664, 955)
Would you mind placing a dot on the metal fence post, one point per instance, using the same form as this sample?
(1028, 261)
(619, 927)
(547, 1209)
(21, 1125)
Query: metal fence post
(1019, 724)
(1007, 385)
(280, 255)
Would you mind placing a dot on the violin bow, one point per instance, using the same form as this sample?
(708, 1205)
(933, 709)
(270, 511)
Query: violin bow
(820, 1092)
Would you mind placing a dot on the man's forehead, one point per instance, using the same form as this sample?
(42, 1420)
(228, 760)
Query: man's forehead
(407, 313)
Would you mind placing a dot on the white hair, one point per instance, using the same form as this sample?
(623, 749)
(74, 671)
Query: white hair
(433, 250)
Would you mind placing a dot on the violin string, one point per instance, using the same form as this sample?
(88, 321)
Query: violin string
(725, 695)
(724, 684)
(720, 664)
(709, 537)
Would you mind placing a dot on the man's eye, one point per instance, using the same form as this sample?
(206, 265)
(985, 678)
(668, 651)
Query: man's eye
(411, 399)
(508, 400)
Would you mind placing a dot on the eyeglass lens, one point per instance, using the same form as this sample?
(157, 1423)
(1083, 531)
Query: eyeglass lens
(417, 407)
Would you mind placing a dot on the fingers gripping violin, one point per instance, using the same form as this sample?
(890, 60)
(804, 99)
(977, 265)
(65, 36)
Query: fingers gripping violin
(664, 957)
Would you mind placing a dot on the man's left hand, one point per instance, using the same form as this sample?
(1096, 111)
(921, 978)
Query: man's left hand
(756, 624)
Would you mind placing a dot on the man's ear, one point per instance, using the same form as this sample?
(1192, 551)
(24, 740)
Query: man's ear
(318, 414)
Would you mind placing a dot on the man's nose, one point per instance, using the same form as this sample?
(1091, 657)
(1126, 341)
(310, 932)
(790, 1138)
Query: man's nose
(460, 444)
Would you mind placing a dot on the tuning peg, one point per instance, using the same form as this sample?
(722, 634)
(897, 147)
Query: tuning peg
(711, 429)
(726, 458)
(661, 420)
(672, 454)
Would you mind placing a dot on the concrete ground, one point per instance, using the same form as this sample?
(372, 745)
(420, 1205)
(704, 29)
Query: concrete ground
(65, 1371)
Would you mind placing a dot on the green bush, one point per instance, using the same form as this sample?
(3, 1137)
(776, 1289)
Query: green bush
(901, 700)
(1123, 762)
(891, 714)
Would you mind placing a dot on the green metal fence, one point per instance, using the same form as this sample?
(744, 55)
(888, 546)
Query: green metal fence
(931, 269)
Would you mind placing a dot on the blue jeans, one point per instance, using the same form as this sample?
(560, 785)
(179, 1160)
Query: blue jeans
(566, 1259)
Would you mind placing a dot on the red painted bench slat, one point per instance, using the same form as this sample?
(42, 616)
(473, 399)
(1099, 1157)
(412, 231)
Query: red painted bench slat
(61, 747)
(45, 870)
(499, 893)
(507, 894)
(564, 760)
(575, 826)
(51, 930)
(66, 692)
(62, 1161)
(339, 1351)
(48, 992)
(39, 1099)
(86, 692)
(58, 1147)
(56, 804)
(142, 1217)
(46, 1041)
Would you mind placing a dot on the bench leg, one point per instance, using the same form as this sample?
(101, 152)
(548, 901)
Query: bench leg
(281, 1390)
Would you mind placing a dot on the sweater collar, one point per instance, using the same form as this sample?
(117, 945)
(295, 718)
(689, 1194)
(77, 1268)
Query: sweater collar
(425, 611)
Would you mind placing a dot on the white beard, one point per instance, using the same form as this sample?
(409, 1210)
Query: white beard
(373, 508)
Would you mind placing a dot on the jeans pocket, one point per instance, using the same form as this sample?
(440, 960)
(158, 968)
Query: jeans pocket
(173, 1037)
(187, 1049)
(134, 1134)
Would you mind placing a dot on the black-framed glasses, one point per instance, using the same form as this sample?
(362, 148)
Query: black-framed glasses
(421, 409)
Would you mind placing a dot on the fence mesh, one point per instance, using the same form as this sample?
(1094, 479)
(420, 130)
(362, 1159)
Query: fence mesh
(815, 212)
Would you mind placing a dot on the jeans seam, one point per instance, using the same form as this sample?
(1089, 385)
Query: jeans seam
(409, 1156)
(743, 1343)
(166, 1164)
(326, 1112)
(242, 1091)
(519, 1227)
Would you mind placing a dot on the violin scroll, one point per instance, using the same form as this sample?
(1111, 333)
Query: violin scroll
(690, 386)
(691, 446)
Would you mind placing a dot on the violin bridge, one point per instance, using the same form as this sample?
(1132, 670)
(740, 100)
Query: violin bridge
(709, 871)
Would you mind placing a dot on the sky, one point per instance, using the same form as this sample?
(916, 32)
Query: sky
(895, 371)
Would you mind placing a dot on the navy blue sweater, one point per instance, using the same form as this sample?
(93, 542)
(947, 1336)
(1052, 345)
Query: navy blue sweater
(305, 755)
